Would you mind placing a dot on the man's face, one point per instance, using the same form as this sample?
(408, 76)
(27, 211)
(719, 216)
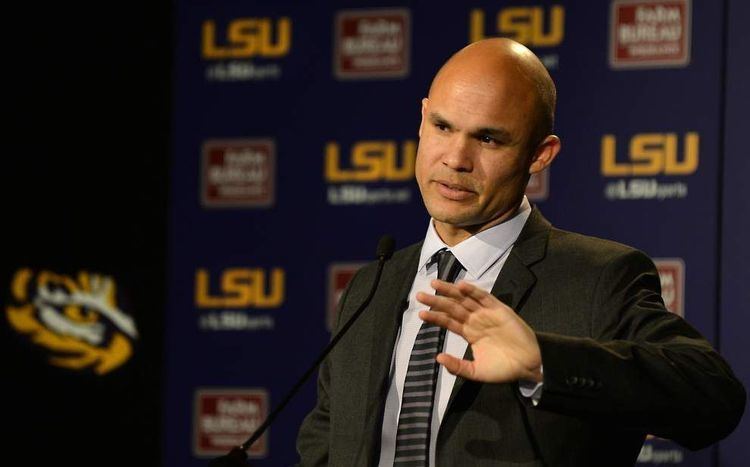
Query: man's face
(473, 157)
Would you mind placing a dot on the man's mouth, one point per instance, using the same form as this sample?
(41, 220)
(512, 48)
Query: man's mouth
(453, 191)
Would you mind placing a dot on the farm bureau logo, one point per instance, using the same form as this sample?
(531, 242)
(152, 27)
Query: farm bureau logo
(372, 43)
(339, 276)
(672, 278)
(76, 319)
(351, 177)
(245, 49)
(649, 34)
(535, 27)
(238, 173)
(649, 155)
(538, 187)
(224, 418)
(227, 303)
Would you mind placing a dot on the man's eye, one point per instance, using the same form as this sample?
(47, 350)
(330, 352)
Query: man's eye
(441, 127)
(487, 139)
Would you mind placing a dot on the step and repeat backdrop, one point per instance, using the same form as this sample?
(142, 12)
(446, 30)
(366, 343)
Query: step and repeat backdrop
(295, 133)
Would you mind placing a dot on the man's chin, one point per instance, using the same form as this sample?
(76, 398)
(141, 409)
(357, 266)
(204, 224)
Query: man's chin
(469, 222)
(454, 220)
(452, 212)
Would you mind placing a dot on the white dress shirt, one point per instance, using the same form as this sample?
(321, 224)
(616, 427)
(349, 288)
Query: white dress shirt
(482, 256)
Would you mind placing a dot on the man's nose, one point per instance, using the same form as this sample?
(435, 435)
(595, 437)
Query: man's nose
(459, 156)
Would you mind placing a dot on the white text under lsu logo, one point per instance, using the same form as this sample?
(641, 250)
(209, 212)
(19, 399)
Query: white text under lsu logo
(243, 38)
(76, 319)
(534, 26)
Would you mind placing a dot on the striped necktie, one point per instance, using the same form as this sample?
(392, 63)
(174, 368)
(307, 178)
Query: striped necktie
(417, 401)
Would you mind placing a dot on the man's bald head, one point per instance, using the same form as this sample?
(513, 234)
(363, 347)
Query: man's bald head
(497, 59)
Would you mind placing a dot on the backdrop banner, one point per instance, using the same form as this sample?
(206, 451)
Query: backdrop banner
(295, 134)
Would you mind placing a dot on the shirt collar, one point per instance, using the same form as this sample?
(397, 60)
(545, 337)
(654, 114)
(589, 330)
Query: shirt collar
(479, 252)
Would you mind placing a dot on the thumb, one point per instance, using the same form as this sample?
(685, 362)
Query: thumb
(457, 366)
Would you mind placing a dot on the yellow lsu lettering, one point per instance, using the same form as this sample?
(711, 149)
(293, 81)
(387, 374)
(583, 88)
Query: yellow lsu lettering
(523, 24)
(651, 154)
(371, 161)
(240, 288)
(248, 37)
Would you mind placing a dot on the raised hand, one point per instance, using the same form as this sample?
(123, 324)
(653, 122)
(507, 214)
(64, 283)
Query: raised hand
(505, 348)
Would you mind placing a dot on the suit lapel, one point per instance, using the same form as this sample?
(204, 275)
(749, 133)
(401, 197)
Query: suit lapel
(387, 307)
(516, 279)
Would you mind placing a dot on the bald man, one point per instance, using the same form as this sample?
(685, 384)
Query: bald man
(557, 347)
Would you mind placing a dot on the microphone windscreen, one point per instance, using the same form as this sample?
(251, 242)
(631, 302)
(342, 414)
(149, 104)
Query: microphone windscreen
(386, 245)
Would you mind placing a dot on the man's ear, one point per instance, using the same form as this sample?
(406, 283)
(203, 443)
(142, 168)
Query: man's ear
(544, 154)
(425, 101)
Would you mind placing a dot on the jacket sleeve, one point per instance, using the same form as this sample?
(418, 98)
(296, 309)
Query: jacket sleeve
(643, 367)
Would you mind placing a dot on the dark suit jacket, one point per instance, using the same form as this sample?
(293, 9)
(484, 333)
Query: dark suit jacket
(617, 365)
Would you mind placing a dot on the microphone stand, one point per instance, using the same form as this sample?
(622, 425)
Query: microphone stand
(237, 457)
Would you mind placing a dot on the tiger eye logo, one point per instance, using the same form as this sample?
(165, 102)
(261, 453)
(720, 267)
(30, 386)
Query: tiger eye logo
(76, 319)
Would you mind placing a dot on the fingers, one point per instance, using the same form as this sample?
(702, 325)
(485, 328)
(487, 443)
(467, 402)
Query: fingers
(443, 320)
(447, 289)
(480, 296)
(471, 296)
(459, 300)
(444, 304)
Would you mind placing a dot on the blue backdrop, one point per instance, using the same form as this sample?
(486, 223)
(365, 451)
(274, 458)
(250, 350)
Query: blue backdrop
(292, 117)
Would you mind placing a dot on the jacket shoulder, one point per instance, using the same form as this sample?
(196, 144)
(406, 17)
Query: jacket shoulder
(576, 247)
(400, 260)
(401, 256)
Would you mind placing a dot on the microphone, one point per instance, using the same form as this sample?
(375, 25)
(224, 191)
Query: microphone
(237, 457)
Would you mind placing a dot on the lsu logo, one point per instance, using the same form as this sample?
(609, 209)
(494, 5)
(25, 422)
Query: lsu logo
(371, 161)
(76, 319)
(247, 38)
(241, 288)
(532, 26)
(651, 154)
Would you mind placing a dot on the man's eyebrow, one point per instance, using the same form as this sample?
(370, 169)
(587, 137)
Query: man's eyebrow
(497, 133)
(437, 118)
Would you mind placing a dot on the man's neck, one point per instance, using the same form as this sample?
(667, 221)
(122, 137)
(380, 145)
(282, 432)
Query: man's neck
(452, 235)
